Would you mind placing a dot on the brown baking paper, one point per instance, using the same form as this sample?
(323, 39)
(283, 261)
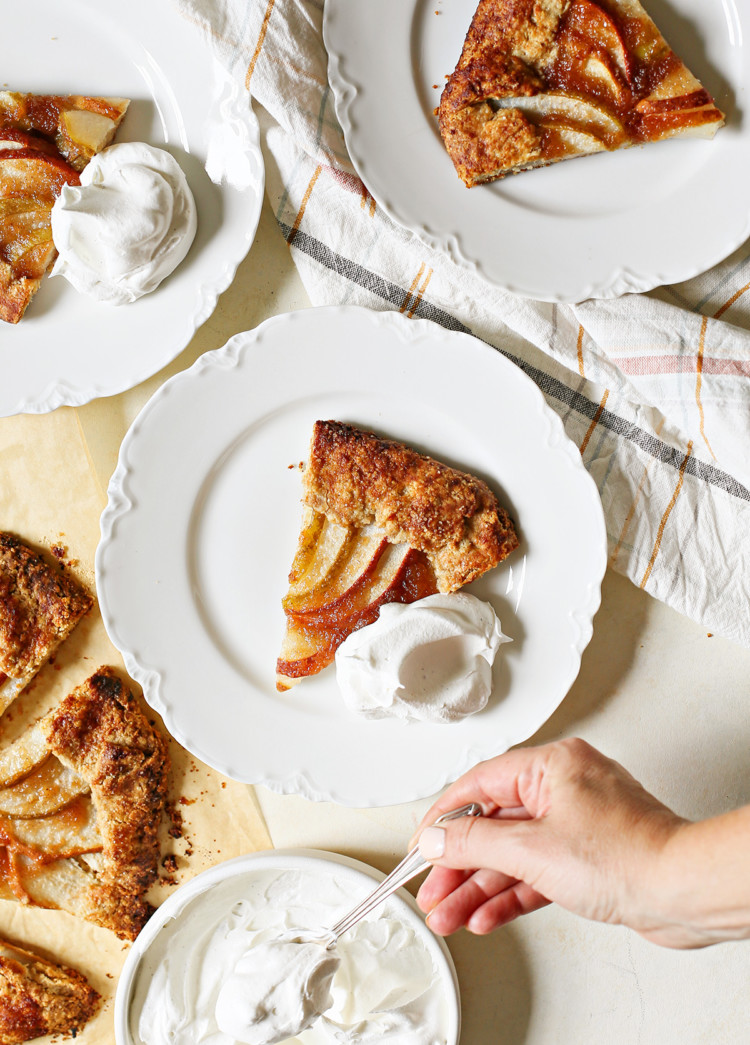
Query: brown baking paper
(50, 496)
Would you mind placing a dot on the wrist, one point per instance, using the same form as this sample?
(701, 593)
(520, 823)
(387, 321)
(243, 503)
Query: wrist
(650, 886)
(698, 892)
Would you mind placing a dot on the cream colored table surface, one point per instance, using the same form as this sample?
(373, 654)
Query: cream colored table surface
(654, 691)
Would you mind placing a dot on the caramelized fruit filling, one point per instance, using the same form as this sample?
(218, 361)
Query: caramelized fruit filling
(320, 630)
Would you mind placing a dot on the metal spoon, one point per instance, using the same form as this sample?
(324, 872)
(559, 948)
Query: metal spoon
(412, 864)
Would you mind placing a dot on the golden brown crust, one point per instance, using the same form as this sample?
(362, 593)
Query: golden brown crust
(15, 293)
(603, 65)
(100, 732)
(506, 41)
(39, 607)
(356, 478)
(38, 996)
(484, 144)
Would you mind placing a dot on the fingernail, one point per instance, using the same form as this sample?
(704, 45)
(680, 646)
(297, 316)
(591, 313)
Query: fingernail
(432, 843)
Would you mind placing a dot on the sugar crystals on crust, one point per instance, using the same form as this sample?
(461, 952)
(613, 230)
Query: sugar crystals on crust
(359, 479)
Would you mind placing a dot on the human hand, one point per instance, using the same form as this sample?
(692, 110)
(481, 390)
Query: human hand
(561, 823)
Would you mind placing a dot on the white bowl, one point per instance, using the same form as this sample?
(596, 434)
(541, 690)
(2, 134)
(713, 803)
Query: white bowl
(361, 876)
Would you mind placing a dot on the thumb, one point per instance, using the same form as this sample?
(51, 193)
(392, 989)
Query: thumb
(470, 843)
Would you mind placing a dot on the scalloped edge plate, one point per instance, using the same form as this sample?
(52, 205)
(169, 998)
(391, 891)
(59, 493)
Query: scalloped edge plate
(202, 522)
(602, 226)
(69, 349)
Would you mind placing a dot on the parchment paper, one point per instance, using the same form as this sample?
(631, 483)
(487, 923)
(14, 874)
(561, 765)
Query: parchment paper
(50, 496)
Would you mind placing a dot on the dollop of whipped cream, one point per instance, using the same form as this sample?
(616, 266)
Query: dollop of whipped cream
(278, 989)
(429, 660)
(127, 225)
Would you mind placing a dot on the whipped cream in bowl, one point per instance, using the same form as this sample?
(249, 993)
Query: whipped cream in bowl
(232, 958)
(128, 224)
(428, 661)
(277, 989)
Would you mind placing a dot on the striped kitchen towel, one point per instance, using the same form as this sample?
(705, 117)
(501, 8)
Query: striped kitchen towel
(654, 389)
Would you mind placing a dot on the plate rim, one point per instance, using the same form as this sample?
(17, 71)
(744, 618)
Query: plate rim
(306, 780)
(51, 392)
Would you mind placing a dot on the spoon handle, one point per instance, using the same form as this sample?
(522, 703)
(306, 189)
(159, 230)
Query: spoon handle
(412, 864)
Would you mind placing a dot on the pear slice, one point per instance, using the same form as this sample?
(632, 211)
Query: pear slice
(9, 690)
(358, 558)
(82, 133)
(590, 117)
(27, 170)
(400, 574)
(301, 654)
(65, 884)
(46, 789)
(19, 758)
(594, 23)
(576, 141)
(70, 831)
(365, 582)
(599, 74)
(13, 140)
(322, 545)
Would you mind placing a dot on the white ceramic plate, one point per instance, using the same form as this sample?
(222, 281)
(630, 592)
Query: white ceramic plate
(202, 524)
(358, 878)
(69, 349)
(597, 227)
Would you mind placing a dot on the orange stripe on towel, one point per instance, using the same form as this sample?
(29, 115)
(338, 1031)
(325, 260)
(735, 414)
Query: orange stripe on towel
(259, 45)
(594, 422)
(367, 201)
(580, 350)
(665, 517)
(301, 212)
(731, 301)
(699, 382)
(416, 290)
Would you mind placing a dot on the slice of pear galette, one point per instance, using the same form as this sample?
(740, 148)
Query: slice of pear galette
(39, 996)
(45, 142)
(382, 523)
(39, 607)
(82, 794)
(540, 81)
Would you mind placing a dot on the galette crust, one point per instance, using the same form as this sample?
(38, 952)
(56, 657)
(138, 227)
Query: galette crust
(100, 733)
(39, 996)
(357, 479)
(39, 607)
